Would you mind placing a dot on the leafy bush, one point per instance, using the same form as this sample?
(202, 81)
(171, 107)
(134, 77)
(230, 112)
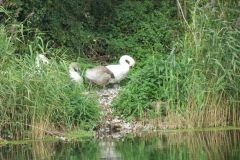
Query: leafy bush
(107, 28)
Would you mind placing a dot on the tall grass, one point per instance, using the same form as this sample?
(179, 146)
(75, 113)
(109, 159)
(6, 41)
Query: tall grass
(197, 83)
(35, 102)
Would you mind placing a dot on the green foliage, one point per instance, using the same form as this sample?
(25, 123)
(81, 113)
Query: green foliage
(31, 95)
(141, 35)
(201, 64)
(185, 65)
(69, 23)
(104, 28)
(6, 47)
(144, 86)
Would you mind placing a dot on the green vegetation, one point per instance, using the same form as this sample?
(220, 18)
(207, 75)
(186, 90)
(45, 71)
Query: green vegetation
(197, 83)
(187, 70)
(41, 100)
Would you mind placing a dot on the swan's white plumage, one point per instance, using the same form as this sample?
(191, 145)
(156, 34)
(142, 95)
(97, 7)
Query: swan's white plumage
(99, 75)
(74, 72)
(103, 75)
(41, 59)
(121, 70)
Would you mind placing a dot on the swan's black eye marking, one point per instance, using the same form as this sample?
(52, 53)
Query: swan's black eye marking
(128, 62)
(76, 69)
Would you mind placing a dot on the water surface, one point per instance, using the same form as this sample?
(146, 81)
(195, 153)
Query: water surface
(201, 145)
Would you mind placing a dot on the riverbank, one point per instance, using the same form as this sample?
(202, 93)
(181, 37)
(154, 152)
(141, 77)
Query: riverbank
(77, 136)
(186, 74)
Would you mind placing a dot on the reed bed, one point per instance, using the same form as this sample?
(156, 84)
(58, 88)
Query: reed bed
(196, 84)
(36, 102)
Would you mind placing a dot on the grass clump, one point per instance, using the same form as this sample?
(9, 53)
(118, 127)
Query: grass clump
(196, 84)
(35, 101)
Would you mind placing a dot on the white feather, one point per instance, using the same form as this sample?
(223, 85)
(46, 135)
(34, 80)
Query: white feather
(103, 75)
(74, 75)
(121, 70)
(41, 59)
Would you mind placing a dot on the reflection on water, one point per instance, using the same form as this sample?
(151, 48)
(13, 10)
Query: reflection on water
(108, 150)
(186, 145)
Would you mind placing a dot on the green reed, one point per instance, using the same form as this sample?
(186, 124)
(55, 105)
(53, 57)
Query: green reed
(196, 84)
(40, 101)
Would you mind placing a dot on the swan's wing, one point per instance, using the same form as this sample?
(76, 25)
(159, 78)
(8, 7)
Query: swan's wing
(99, 75)
(106, 71)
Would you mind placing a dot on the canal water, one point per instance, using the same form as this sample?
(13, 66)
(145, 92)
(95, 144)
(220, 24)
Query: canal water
(194, 145)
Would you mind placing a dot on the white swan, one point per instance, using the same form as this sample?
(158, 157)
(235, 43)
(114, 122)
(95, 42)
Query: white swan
(74, 72)
(103, 75)
(120, 70)
(41, 59)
